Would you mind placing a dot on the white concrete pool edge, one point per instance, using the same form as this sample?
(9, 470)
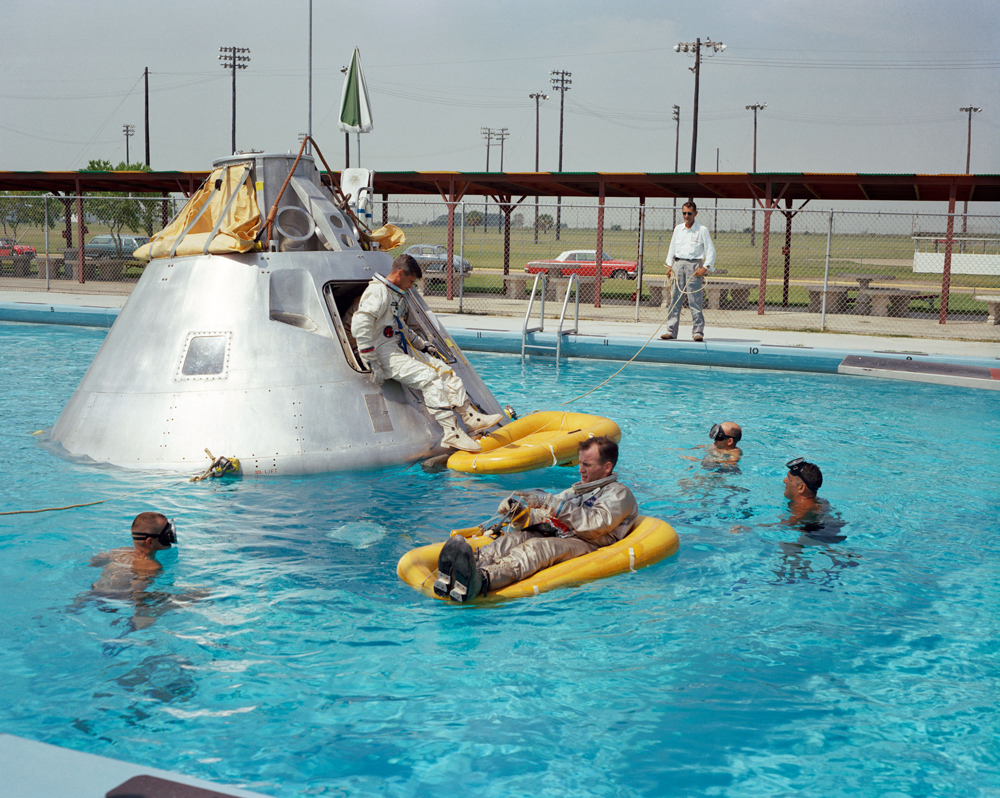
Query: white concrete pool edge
(40, 770)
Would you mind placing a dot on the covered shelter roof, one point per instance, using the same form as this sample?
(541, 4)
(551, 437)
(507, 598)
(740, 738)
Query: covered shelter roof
(671, 185)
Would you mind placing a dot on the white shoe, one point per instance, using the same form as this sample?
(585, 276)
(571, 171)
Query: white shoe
(474, 420)
(455, 438)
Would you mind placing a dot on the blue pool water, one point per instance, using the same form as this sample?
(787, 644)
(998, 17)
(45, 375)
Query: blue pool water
(278, 651)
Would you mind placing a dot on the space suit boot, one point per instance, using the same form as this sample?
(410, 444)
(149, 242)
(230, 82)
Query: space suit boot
(455, 438)
(466, 579)
(474, 420)
(446, 564)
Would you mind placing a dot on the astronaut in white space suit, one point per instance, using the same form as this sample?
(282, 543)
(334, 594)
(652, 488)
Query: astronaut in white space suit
(387, 345)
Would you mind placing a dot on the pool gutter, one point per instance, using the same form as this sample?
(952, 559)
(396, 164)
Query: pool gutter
(973, 372)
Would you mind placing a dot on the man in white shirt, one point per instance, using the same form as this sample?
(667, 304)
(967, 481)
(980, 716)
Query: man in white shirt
(691, 256)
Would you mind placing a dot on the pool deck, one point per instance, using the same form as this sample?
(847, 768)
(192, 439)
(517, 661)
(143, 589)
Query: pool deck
(40, 770)
(938, 360)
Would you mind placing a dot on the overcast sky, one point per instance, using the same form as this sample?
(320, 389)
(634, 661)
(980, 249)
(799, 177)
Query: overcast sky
(850, 86)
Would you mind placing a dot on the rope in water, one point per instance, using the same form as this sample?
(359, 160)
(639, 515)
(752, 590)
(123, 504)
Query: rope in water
(680, 294)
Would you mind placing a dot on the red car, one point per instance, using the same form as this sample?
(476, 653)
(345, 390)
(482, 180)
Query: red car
(20, 255)
(584, 263)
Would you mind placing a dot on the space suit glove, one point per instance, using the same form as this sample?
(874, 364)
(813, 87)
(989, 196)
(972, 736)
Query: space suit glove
(537, 499)
(432, 350)
(378, 373)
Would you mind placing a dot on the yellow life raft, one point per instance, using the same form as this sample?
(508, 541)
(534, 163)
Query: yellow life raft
(538, 440)
(650, 541)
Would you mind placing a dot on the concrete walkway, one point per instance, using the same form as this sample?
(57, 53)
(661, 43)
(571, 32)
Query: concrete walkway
(639, 331)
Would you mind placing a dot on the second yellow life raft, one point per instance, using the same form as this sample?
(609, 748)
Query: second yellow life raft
(538, 440)
(650, 541)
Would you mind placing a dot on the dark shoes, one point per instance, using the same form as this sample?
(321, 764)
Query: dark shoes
(697, 337)
(667, 337)
(458, 578)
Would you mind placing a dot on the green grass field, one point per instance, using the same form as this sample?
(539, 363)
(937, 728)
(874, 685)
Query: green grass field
(848, 253)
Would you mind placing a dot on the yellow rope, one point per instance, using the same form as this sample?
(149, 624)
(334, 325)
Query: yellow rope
(91, 504)
(673, 281)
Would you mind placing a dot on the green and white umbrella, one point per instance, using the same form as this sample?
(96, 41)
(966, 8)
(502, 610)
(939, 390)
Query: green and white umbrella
(355, 109)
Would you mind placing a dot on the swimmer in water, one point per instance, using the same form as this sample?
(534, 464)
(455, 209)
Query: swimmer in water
(123, 568)
(127, 572)
(723, 453)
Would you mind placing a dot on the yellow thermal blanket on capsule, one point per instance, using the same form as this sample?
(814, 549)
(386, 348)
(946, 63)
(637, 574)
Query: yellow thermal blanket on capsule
(237, 232)
(650, 541)
(538, 440)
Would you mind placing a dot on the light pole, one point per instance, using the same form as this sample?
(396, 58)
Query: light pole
(560, 80)
(686, 47)
(129, 131)
(677, 150)
(753, 214)
(970, 110)
(537, 97)
(231, 59)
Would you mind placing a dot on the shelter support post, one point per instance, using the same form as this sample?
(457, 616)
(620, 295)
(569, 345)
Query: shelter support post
(639, 258)
(503, 201)
(949, 243)
(451, 200)
(787, 251)
(599, 255)
(385, 209)
(765, 240)
(67, 233)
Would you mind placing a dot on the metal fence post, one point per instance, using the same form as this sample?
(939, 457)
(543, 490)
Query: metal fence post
(826, 273)
(461, 255)
(48, 268)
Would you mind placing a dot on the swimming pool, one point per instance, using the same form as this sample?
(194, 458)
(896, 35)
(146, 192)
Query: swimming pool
(278, 651)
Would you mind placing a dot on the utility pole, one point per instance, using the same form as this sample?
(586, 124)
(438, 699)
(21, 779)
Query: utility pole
(753, 213)
(147, 116)
(560, 80)
(677, 151)
(231, 58)
(970, 110)
(129, 131)
(686, 47)
(537, 97)
(501, 134)
(487, 133)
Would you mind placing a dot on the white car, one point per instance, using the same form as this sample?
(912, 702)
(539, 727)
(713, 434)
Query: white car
(432, 258)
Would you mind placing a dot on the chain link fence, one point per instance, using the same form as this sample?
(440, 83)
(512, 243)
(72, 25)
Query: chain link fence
(817, 270)
(45, 247)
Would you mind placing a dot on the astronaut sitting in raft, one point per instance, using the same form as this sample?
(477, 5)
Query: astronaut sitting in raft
(545, 529)
(387, 345)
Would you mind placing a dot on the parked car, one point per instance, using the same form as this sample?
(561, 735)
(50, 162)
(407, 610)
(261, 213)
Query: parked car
(584, 263)
(432, 258)
(11, 250)
(108, 246)
(19, 255)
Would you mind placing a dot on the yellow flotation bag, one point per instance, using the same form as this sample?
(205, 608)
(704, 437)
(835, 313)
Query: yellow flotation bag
(538, 440)
(650, 541)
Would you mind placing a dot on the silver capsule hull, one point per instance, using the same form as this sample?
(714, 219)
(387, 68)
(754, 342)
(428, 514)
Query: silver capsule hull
(276, 389)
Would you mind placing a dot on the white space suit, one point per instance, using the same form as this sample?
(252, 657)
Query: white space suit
(388, 346)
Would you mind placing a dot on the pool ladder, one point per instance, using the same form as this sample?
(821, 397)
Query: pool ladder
(540, 327)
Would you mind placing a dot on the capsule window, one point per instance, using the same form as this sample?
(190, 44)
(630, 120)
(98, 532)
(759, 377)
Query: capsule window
(206, 355)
